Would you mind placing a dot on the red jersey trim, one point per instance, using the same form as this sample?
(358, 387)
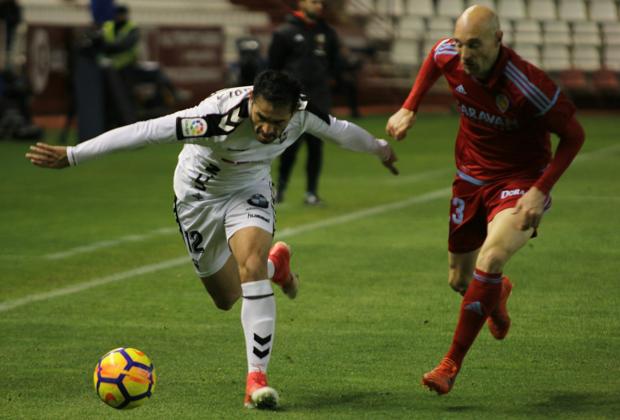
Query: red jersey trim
(445, 47)
(470, 179)
(529, 90)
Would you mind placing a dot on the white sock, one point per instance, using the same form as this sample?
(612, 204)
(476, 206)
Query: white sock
(271, 269)
(258, 317)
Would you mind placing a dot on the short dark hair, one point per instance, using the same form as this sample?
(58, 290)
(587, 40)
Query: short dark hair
(278, 88)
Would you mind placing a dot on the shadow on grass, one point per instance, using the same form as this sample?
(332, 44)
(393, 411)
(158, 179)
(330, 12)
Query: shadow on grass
(461, 408)
(365, 401)
(355, 399)
(562, 403)
(557, 405)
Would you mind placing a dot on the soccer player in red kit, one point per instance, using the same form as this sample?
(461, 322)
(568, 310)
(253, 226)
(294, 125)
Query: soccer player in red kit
(505, 168)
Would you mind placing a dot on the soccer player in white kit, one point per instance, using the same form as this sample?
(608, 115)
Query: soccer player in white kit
(224, 202)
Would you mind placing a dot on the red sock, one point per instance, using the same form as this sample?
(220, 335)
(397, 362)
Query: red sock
(479, 301)
(498, 310)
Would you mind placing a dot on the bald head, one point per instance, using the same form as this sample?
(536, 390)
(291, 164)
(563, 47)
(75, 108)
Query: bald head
(478, 39)
(479, 18)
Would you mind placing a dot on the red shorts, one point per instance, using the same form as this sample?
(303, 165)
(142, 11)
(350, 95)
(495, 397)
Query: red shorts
(473, 206)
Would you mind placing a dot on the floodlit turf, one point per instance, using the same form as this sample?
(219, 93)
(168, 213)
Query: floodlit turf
(374, 310)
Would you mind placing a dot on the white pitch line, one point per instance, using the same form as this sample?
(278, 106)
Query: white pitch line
(151, 268)
(443, 192)
(109, 243)
(416, 177)
(403, 179)
(82, 249)
(79, 287)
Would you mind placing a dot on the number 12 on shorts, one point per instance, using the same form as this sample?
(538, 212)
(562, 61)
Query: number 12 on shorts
(193, 240)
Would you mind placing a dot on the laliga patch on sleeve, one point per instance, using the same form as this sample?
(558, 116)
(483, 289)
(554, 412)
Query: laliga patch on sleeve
(191, 127)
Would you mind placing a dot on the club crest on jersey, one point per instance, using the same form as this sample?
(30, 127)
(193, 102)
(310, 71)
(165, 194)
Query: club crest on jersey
(502, 102)
(193, 127)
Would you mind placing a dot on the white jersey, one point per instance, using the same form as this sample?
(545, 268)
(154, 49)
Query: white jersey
(221, 153)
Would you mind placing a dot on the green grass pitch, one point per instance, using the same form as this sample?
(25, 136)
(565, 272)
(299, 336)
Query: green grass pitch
(374, 310)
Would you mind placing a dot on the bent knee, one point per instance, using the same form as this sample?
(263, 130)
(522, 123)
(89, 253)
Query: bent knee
(458, 284)
(253, 268)
(458, 279)
(225, 303)
(492, 260)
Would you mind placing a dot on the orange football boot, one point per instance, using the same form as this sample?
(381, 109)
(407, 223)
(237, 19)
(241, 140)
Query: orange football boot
(258, 394)
(280, 256)
(441, 379)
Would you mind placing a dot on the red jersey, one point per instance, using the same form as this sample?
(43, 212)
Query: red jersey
(505, 121)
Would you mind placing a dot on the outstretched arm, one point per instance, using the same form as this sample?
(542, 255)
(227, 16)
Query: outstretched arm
(131, 136)
(352, 137)
(158, 130)
(47, 156)
(404, 118)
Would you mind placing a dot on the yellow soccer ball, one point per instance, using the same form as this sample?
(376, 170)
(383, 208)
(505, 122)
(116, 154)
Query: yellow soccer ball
(124, 378)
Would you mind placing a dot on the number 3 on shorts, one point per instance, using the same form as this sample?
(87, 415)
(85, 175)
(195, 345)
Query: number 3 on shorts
(459, 207)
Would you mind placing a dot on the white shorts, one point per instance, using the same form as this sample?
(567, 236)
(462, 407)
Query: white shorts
(208, 224)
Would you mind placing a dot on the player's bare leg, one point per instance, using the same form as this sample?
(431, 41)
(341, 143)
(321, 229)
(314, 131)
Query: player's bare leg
(250, 248)
(460, 269)
(504, 239)
(224, 287)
